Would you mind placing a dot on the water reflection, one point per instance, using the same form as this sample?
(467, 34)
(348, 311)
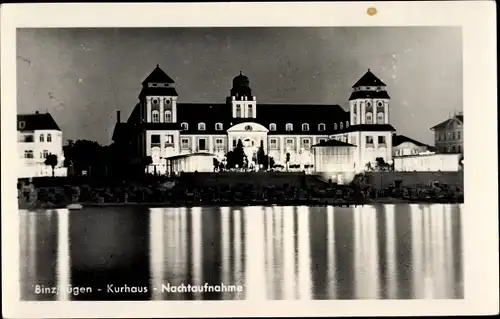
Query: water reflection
(370, 252)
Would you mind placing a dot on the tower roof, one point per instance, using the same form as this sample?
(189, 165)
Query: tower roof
(158, 76)
(369, 79)
(241, 80)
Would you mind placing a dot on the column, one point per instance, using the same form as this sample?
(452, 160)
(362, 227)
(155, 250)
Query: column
(209, 143)
(386, 112)
(148, 109)
(358, 112)
(282, 150)
(162, 110)
(363, 113)
(174, 110)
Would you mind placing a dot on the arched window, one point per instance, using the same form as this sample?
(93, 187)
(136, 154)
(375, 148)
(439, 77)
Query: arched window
(156, 116)
(335, 126)
(369, 118)
(218, 126)
(201, 126)
(42, 138)
(289, 127)
(272, 127)
(380, 118)
(346, 124)
(238, 110)
(184, 126)
(49, 138)
(305, 127)
(321, 127)
(250, 111)
(341, 125)
(168, 116)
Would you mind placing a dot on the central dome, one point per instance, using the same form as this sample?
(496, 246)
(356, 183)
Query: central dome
(241, 80)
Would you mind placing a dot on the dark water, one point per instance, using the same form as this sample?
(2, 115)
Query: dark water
(373, 252)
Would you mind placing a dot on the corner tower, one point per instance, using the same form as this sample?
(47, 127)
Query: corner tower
(158, 98)
(244, 104)
(369, 101)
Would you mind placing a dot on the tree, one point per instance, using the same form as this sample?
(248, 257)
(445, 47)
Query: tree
(261, 155)
(380, 163)
(51, 160)
(287, 160)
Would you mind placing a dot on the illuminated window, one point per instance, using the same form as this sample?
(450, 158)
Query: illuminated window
(305, 127)
(289, 127)
(156, 116)
(346, 124)
(201, 126)
(381, 139)
(184, 143)
(369, 118)
(184, 126)
(273, 143)
(321, 127)
(168, 116)
(272, 127)
(380, 118)
(169, 140)
(335, 126)
(369, 140)
(250, 111)
(341, 125)
(238, 110)
(42, 138)
(22, 125)
(218, 126)
(28, 154)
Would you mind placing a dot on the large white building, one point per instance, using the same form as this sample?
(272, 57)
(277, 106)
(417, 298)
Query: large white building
(161, 127)
(38, 135)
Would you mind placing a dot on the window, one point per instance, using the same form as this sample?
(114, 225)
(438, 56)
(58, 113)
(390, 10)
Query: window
(459, 135)
(184, 126)
(306, 143)
(235, 143)
(335, 126)
(448, 135)
(353, 140)
(289, 143)
(368, 103)
(44, 154)
(346, 124)
(272, 127)
(321, 140)
(49, 138)
(449, 149)
(273, 144)
(354, 118)
(219, 143)
(155, 140)
(321, 127)
(289, 127)
(42, 138)
(184, 143)
(341, 125)
(380, 104)
(453, 135)
(28, 154)
(369, 118)
(22, 125)
(380, 118)
(381, 140)
(369, 140)
(218, 126)
(169, 140)
(238, 110)
(168, 116)
(459, 148)
(250, 111)
(201, 126)
(305, 127)
(202, 144)
(156, 116)
(167, 101)
(453, 148)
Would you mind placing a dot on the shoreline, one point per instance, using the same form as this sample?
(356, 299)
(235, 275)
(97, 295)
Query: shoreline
(311, 203)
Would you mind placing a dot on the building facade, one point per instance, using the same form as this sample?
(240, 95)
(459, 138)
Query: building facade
(161, 127)
(38, 135)
(405, 146)
(431, 162)
(448, 135)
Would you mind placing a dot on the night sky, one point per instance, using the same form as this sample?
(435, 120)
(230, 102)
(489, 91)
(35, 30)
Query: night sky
(83, 76)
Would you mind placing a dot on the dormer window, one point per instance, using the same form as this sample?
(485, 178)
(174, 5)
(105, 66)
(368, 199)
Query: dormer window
(184, 126)
(201, 126)
(218, 126)
(42, 138)
(289, 127)
(346, 124)
(22, 124)
(168, 116)
(305, 127)
(272, 127)
(321, 127)
(341, 125)
(335, 126)
(155, 116)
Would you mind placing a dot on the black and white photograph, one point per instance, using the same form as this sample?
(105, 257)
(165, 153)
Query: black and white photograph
(242, 163)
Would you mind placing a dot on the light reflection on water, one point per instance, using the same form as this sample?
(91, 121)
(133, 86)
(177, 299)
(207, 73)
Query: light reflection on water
(369, 252)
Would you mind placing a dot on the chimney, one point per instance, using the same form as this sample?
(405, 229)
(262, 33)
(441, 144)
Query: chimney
(118, 117)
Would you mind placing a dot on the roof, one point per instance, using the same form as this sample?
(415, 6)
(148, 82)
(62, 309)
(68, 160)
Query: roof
(367, 128)
(443, 124)
(369, 95)
(333, 142)
(36, 121)
(158, 91)
(369, 79)
(190, 155)
(158, 76)
(400, 139)
(279, 114)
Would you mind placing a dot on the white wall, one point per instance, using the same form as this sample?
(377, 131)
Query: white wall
(162, 151)
(428, 163)
(408, 148)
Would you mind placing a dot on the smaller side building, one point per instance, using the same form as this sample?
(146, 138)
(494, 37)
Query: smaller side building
(404, 146)
(38, 135)
(448, 135)
(335, 160)
(429, 162)
(197, 162)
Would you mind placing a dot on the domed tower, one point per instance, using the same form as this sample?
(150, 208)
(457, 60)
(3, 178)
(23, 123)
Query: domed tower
(244, 104)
